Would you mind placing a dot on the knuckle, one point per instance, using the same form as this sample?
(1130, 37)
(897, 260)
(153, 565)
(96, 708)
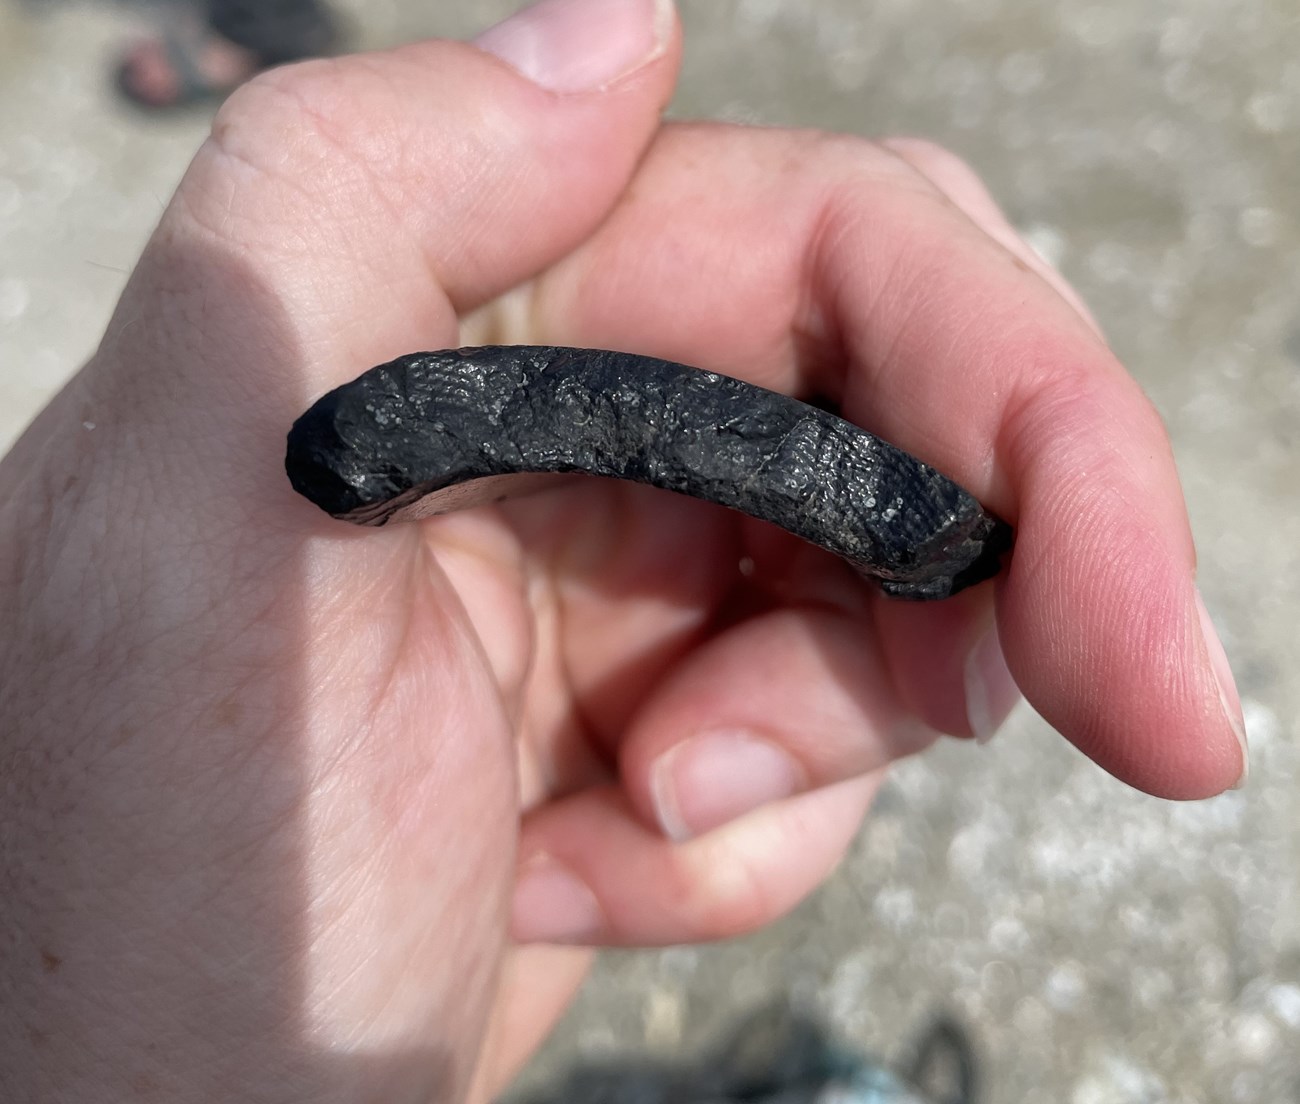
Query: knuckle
(295, 144)
(280, 139)
(856, 156)
(281, 101)
(857, 171)
(262, 125)
(928, 157)
(947, 175)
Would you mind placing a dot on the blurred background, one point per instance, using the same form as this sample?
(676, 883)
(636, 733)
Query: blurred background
(1095, 945)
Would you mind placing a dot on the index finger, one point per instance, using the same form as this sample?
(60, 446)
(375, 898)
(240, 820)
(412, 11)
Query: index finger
(818, 264)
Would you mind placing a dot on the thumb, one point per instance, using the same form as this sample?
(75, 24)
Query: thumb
(379, 196)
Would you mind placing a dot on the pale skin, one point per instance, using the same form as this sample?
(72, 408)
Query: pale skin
(286, 799)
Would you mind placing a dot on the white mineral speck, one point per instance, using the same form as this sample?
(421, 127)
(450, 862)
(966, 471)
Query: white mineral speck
(1284, 1002)
(14, 299)
(1255, 1035)
(896, 907)
(1110, 262)
(1048, 242)
(970, 849)
(1258, 226)
(1022, 72)
(1097, 26)
(1262, 727)
(662, 1017)
(1007, 935)
(11, 198)
(1066, 986)
(1247, 1087)
(1268, 112)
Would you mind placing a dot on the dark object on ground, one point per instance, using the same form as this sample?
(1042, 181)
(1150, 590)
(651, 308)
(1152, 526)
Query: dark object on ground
(208, 51)
(275, 31)
(944, 1067)
(775, 1056)
(433, 432)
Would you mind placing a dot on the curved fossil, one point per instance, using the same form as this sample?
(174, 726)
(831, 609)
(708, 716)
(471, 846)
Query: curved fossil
(440, 431)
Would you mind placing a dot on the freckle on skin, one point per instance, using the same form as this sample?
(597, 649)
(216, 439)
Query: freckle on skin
(123, 736)
(226, 713)
(50, 962)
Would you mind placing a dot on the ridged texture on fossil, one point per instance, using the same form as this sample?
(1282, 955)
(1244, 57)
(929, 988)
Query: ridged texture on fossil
(436, 431)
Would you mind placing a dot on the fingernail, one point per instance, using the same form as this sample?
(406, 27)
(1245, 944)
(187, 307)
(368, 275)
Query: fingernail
(991, 692)
(714, 778)
(1229, 699)
(581, 45)
(553, 905)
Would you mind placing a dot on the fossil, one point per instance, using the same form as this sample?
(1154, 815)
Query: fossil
(439, 431)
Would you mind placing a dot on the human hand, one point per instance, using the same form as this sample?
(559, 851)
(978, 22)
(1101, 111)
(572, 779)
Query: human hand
(265, 772)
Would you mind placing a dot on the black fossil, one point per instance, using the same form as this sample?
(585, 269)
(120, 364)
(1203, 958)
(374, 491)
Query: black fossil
(433, 432)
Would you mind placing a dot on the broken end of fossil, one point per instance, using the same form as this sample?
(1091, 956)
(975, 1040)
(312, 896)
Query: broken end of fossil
(977, 558)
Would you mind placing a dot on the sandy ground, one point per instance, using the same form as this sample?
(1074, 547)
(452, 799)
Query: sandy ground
(1099, 945)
